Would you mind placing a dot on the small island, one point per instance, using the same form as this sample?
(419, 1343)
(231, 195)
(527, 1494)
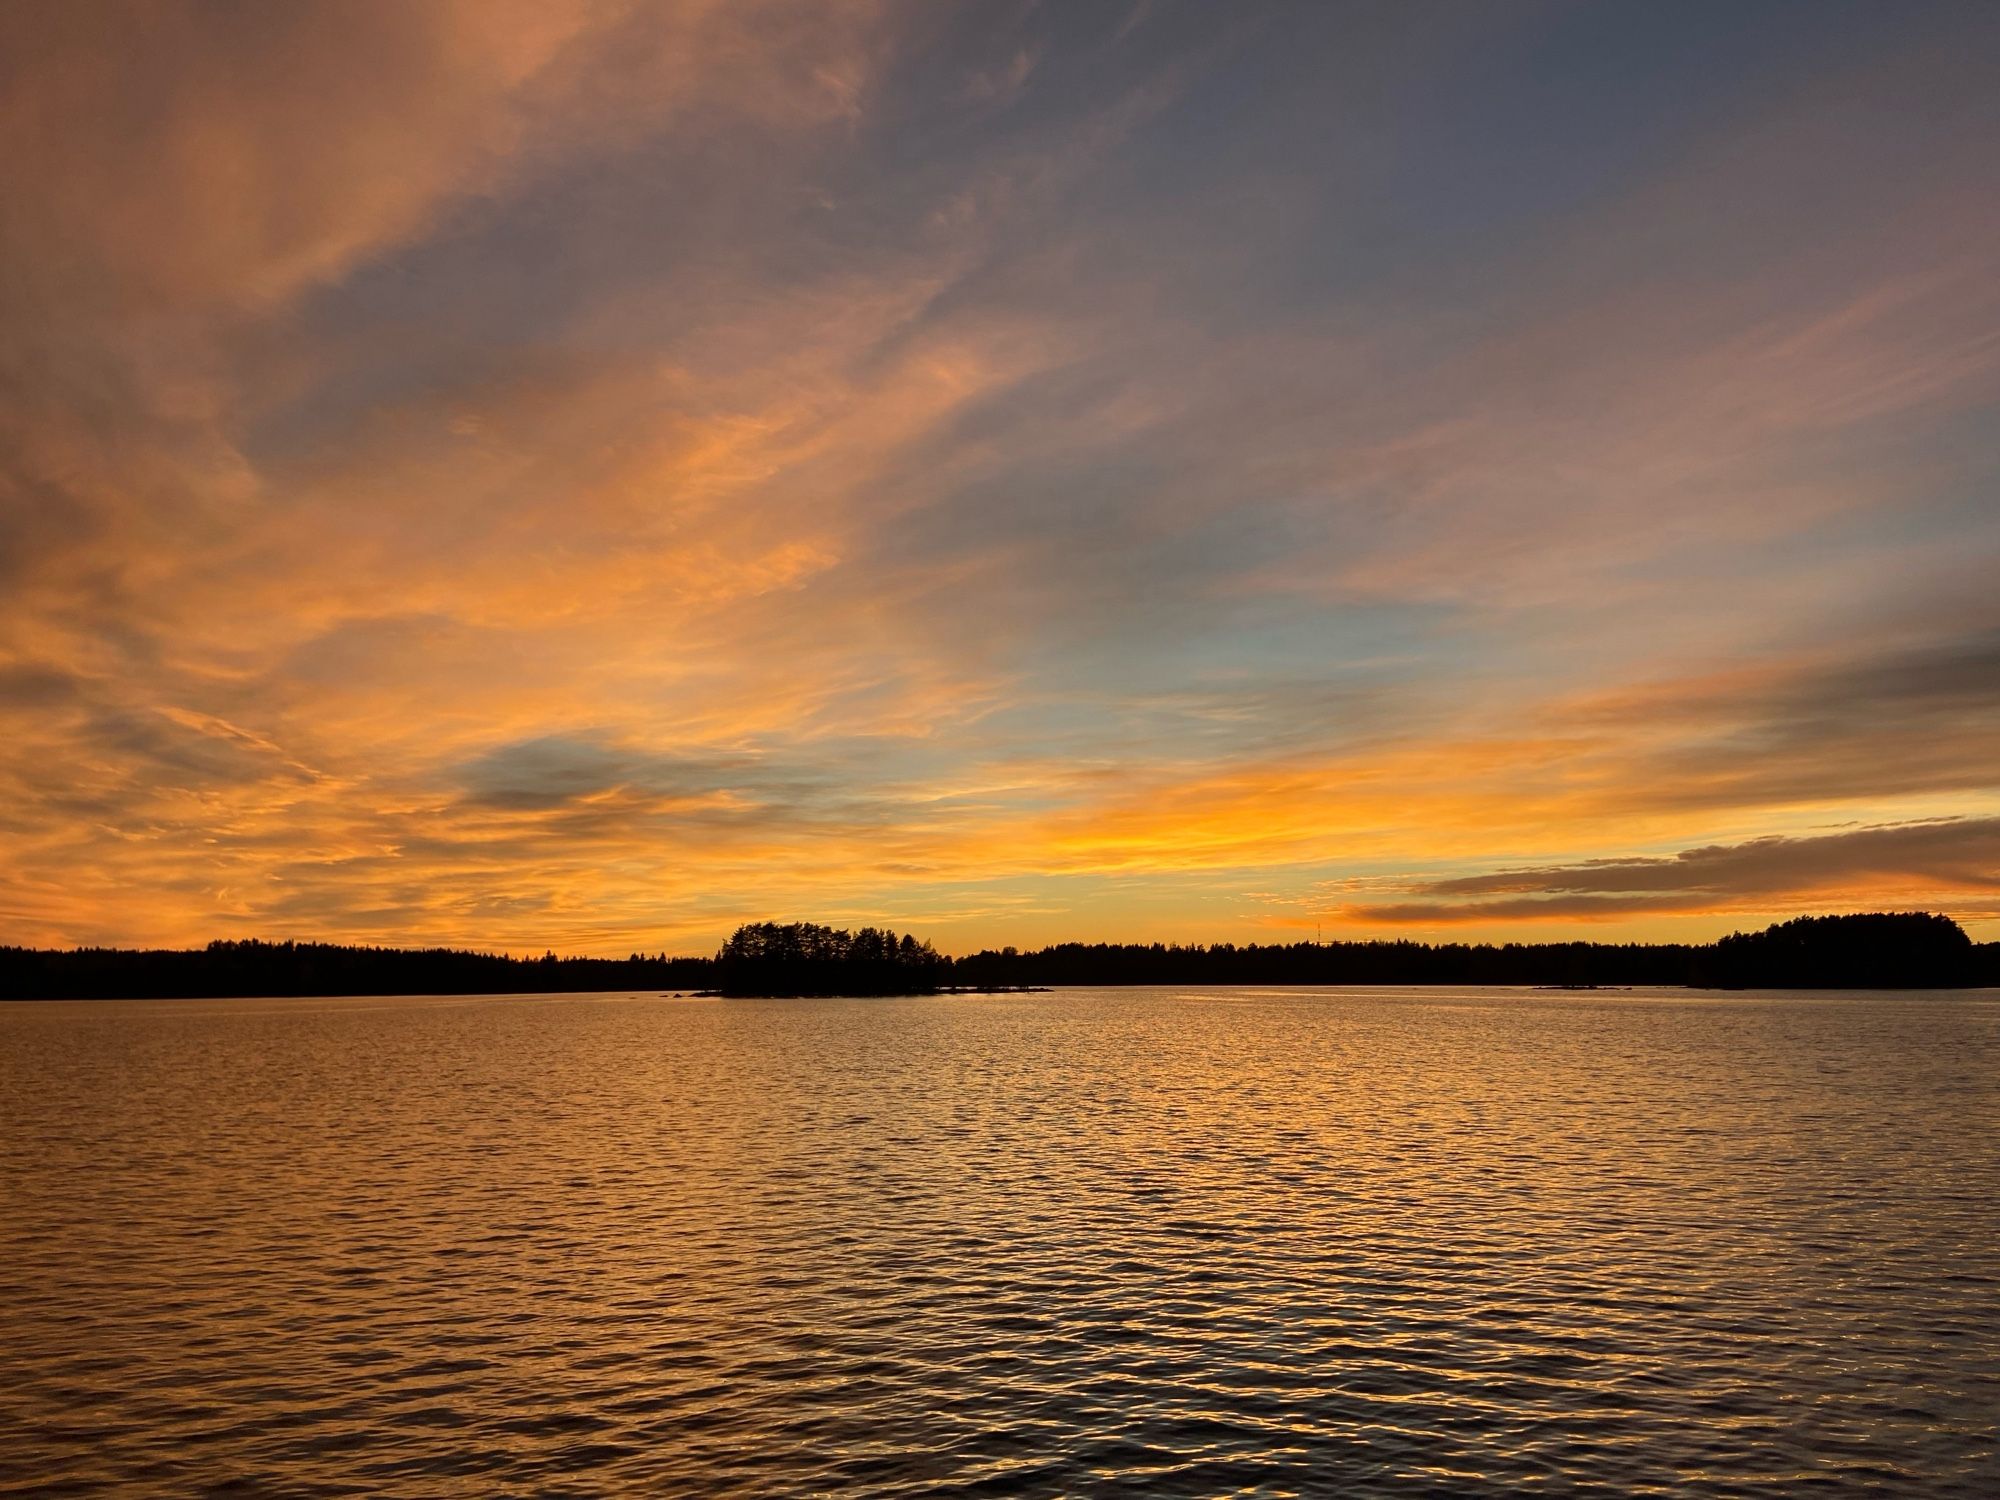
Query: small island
(804, 958)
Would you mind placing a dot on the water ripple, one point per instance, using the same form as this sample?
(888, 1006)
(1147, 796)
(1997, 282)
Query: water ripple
(1141, 1242)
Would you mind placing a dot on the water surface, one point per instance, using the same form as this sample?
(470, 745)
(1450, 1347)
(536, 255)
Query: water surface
(1401, 1242)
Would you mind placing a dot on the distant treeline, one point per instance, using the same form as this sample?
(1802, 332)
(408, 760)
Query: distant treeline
(257, 968)
(1877, 951)
(1914, 950)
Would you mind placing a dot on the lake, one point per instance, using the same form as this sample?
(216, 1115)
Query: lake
(1160, 1242)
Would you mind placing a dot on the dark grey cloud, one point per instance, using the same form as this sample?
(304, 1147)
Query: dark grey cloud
(35, 685)
(1955, 853)
(1945, 686)
(1513, 909)
(164, 752)
(552, 772)
(1914, 720)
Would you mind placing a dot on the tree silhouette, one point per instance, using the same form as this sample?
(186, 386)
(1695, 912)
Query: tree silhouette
(804, 958)
(1875, 950)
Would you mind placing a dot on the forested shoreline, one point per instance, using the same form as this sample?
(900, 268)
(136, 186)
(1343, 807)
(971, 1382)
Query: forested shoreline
(1880, 950)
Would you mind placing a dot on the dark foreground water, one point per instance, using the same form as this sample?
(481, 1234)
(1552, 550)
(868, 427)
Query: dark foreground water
(1148, 1242)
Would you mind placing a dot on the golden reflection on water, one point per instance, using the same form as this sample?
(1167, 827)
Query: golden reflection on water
(1184, 1242)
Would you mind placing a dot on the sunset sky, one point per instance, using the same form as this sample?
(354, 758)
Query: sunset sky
(582, 476)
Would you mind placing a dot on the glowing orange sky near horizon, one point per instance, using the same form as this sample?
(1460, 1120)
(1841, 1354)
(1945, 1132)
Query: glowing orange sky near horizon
(584, 475)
